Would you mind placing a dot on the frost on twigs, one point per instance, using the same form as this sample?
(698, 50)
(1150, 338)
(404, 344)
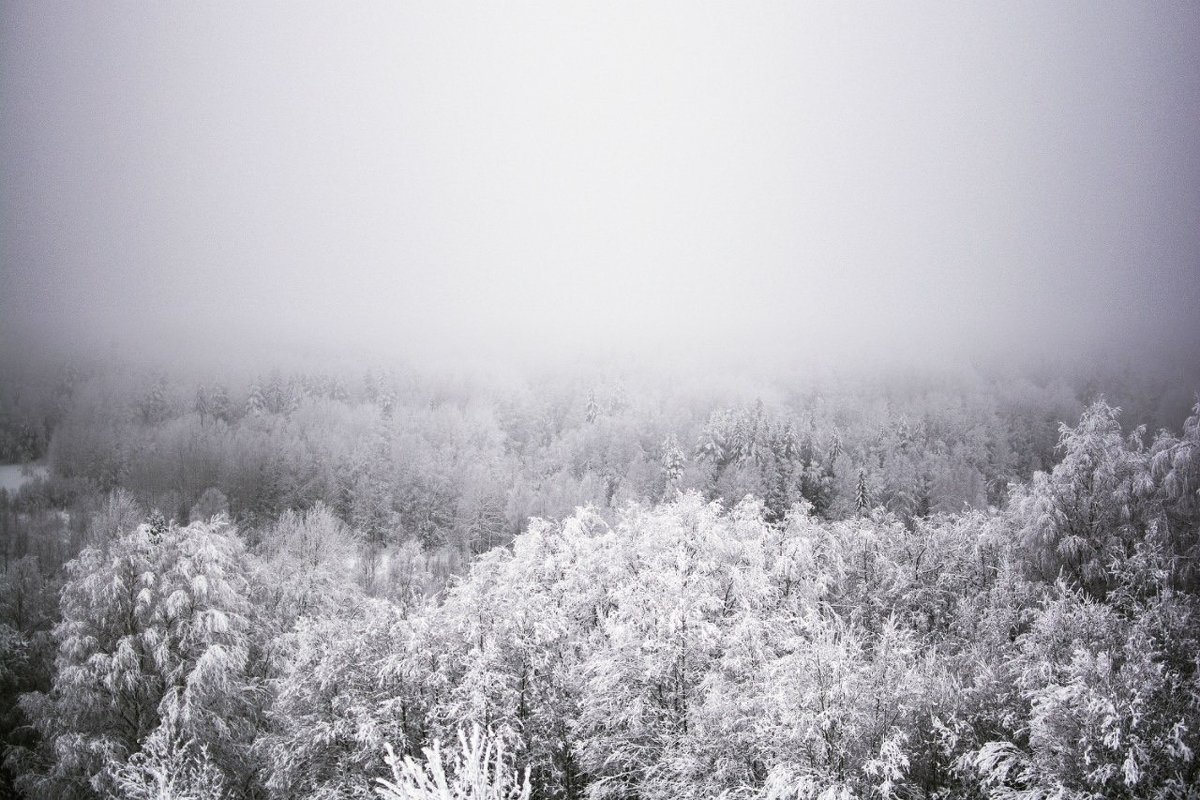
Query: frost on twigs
(168, 769)
(154, 653)
(479, 769)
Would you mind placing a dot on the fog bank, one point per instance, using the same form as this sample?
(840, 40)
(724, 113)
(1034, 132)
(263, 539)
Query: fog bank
(766, 183)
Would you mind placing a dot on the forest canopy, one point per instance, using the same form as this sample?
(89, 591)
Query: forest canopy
(606, 587)
(599, 401)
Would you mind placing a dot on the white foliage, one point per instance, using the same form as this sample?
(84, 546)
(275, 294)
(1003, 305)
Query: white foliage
(155, 631)
(478, 769)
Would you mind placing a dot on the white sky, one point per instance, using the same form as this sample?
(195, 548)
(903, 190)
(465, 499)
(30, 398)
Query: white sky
(500, 178)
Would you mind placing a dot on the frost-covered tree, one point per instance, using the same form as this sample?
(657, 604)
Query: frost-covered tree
(219, 404)
(156, 630)
(154, 406)
(478, 769)
(309, 560)
(680, 576)
(508, 643)
(341, 694)
(167, 768)
(256, 401)
(27, 610)
(862, 494)
(671, 463)
(212, 503)
(1110, 704)
(26, 597)
(119, 513)
(1175, 465)
(1087, 514)
(202, 403)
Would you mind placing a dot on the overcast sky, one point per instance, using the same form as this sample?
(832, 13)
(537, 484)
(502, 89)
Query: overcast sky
(500, 178)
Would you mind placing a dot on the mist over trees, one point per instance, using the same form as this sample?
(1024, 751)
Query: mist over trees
(599, 401)
(601, 585)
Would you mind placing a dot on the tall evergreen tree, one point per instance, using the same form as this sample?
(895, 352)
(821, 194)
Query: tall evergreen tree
(862, 494)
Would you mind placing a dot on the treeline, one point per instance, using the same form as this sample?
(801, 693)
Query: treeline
(458, 466)
(689, 648)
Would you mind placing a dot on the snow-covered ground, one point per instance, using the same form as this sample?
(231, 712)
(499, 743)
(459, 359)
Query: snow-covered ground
(14, 476)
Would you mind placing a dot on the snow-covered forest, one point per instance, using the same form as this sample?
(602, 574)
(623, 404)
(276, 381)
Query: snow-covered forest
(610, 400)
(599, 587)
